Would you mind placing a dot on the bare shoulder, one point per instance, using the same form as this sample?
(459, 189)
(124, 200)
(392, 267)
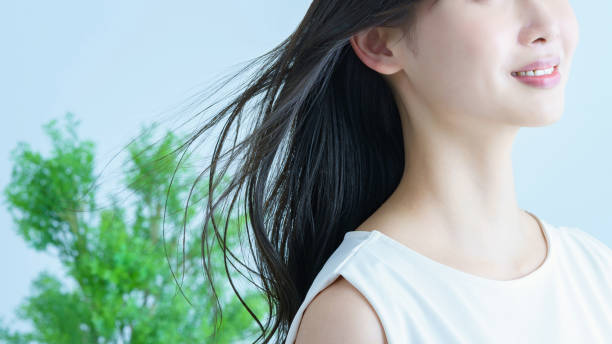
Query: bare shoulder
(340, 314)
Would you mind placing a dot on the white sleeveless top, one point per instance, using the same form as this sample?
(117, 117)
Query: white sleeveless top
(567, 299)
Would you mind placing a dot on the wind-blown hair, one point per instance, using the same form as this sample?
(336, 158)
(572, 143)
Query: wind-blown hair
(323, 152)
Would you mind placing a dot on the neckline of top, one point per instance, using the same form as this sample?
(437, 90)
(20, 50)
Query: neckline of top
(534, 274)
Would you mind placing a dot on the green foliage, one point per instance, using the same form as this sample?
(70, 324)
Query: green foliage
(125, 288)
(45, 195)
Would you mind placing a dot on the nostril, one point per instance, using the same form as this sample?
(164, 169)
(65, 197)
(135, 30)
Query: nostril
(542, 40)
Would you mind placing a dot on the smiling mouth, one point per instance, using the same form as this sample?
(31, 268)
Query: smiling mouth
(540, 78)
(537, 72)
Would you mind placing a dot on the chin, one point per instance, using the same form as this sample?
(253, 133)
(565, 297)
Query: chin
(549, 121)
(538, 114)
(542, 118)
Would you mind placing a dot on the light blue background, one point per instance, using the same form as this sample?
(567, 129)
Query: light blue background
(120, 64)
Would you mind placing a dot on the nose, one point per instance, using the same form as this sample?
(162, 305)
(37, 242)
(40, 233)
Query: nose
(540, 24)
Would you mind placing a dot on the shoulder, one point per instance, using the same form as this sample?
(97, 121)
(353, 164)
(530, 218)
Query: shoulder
(340, 314)
(589, 245)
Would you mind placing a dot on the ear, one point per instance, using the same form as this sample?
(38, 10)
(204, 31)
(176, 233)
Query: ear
(372, 47)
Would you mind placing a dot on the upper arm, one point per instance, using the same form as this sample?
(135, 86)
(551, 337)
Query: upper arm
(340, 314)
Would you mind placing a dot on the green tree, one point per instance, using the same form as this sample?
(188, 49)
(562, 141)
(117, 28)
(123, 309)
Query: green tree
(127, 288)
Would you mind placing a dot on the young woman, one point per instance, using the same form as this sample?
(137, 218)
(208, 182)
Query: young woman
(380, 185)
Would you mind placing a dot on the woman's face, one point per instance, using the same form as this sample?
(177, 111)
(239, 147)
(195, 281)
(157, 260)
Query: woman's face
(465, 51)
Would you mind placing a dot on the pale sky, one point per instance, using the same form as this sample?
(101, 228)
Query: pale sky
(120, 64)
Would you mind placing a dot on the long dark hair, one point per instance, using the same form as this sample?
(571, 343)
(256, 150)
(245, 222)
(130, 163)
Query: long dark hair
(324, 151)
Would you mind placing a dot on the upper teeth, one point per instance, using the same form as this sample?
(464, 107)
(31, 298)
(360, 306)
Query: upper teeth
(536, 72)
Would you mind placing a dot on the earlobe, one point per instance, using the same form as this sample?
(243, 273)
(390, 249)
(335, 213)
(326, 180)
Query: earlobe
(372, 50)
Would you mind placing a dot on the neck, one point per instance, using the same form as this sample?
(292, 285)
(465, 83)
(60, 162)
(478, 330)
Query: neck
(457, 191)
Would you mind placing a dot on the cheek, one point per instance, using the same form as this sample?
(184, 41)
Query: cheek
(570, 29)
(459, 62)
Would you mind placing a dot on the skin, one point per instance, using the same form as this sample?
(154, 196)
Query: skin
(461, 110)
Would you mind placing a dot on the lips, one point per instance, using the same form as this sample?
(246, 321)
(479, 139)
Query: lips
(544, 63)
